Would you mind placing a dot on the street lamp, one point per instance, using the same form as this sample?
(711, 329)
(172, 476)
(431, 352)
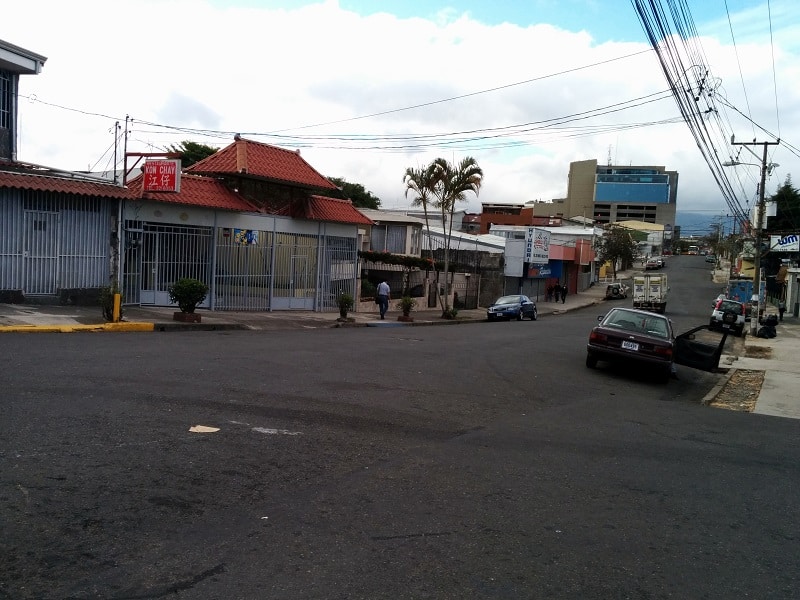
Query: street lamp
(755, 300)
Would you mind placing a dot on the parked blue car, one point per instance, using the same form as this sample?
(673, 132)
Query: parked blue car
(512, 307)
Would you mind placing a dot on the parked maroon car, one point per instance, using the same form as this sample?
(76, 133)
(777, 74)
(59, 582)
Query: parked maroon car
(635, 337)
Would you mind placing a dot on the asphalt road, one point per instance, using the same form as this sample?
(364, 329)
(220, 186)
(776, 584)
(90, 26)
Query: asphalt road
(482, 461)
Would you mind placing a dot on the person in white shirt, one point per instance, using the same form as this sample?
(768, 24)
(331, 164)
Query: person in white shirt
(384, 294)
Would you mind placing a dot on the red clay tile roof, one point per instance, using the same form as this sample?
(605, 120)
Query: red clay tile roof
(27, 177)
(196, 191)
(322, 208)
(246, 157)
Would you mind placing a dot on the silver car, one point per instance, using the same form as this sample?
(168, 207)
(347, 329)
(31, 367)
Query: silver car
(728, 314)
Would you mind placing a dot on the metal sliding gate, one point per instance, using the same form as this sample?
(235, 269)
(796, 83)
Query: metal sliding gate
(158, 255)
(52, 243)
(245, 269)
(338, 272)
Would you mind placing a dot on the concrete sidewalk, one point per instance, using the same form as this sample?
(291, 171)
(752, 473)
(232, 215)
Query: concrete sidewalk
(779, 359)
(46, 318)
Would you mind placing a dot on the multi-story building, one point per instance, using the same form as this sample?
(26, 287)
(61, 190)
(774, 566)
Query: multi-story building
(14, 61)
(609, 193)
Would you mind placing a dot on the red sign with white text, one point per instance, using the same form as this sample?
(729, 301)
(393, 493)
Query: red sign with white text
(162, 176)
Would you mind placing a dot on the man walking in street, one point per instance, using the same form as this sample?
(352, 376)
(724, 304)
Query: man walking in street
(383, 297)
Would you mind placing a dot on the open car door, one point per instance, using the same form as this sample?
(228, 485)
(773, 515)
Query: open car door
(698, 354)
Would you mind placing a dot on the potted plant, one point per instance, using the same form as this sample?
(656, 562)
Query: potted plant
(187, 293)
(406, 305)
(345, 304)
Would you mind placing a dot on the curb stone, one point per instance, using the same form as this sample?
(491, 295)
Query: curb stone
(711, 395)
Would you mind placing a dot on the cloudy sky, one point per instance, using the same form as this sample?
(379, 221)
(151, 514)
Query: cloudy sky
(365, 89)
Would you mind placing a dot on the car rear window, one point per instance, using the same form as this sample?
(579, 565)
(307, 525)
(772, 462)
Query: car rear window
(643, 324)
(730, 305)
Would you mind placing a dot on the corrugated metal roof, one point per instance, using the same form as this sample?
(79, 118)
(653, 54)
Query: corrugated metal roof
(387, 216)
(246, 157)
(468, 241)
(27, 177)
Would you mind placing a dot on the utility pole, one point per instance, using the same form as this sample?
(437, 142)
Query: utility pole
(755, 301)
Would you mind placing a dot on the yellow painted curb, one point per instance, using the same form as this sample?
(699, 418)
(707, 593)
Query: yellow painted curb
(129, 326)
(74, 328)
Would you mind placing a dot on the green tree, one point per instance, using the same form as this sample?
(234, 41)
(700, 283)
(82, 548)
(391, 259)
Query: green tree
(616, 245)
(787, 200)
(455, 182)
(356, 193)
(439, 186)
(420, 183)
(192, 152)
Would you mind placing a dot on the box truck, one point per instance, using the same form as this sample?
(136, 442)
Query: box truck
(650, 292)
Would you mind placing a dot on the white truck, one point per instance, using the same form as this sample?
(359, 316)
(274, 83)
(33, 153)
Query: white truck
(650, 292)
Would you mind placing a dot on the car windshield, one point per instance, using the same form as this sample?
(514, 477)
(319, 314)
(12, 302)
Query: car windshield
(637, 323)
(508, 300)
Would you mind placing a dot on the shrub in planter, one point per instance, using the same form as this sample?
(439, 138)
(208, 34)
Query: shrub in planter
(406, 305)
(187, 293)
(345, 304)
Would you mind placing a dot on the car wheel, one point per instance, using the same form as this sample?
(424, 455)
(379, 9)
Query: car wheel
(591, 361)
(665, 375)
(519, 315)
(534, 315)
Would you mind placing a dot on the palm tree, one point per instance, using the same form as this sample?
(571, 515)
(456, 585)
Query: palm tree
(452, 184)
(421, 183)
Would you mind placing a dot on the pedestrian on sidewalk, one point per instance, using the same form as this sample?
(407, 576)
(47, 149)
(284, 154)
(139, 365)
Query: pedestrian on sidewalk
(384, 293)
(781, 309)
(564, 291)
(557, 292)
(550, 293)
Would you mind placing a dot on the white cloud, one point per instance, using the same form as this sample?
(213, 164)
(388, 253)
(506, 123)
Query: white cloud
(249, 70)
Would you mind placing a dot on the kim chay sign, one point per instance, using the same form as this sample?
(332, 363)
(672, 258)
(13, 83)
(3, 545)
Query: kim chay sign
(537, 245)
(162, 176)
(784, 243)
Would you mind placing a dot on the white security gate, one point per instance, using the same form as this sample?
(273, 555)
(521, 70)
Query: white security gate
(169, 253)
(40, 252)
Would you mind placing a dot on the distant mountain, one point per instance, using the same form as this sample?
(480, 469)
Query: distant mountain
(698, 224)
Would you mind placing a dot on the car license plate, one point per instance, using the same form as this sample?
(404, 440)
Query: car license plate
(630, 345)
